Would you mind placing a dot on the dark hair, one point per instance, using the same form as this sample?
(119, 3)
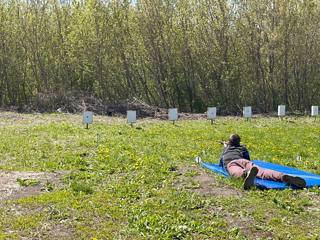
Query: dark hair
(234, 140)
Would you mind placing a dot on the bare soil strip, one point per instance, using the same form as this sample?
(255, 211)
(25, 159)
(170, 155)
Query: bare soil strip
(10, 188)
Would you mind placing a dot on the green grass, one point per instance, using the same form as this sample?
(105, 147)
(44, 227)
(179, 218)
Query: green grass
(27, 182)
(120, 181)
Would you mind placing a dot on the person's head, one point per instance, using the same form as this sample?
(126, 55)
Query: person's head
(234, 140)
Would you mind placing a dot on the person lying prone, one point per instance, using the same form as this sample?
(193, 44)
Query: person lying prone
(235, 158)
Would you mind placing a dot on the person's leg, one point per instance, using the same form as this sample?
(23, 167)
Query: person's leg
(236, 168)
(269, 174)
(280, 177)
(243, 168)
(263, 173)
(240, 168)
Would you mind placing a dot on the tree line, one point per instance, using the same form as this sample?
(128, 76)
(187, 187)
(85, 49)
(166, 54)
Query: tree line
(188, 54)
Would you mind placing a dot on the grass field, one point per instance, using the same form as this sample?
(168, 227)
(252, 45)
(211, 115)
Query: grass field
(114, 181)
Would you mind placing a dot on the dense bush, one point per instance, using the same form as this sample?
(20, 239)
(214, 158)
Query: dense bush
(188, 54)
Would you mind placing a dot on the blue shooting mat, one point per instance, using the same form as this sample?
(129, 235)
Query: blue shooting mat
(311, 178)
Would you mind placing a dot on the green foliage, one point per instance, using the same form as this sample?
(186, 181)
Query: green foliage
(27, 182)
(81, 188)
(188, 54)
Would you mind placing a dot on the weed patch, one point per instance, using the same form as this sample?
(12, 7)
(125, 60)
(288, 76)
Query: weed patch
(113, 181)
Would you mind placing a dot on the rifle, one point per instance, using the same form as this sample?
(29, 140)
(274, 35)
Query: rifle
(222, 142)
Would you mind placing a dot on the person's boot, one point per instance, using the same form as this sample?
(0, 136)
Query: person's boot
(249, 180)
(294, 181)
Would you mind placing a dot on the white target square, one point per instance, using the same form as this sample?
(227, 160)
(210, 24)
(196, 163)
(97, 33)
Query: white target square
(281, 110)
(87, 117)
(247, 112)
(314, 111)
(173, 114)
(131, 116)
(212, 113)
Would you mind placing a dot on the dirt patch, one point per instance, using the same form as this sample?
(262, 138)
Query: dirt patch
(243, 224)
(62, 230)
(14, 185)
(199, 180)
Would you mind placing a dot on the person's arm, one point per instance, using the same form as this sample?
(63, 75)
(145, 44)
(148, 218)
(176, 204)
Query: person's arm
(221, 161)
(221, 156)
(245, 153)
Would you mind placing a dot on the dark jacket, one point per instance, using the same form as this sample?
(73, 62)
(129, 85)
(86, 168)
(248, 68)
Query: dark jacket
(232, 153)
